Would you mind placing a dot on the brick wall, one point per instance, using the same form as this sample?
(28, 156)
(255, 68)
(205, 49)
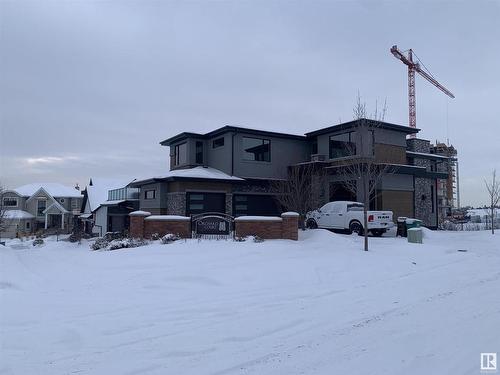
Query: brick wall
(264, 229)
(143, 225)
(180, 227)
(137, 223)
(284, 227)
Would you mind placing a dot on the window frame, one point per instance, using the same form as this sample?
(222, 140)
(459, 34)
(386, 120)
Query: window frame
(38, 212)
(146, 194)
(10, 198)
(350, 135)
(177, 153)
(263, 143)
(198, 152)
(215, 145)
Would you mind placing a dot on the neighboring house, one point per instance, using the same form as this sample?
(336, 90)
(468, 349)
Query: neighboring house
(230, 170)
(40, 206)
(106, 205)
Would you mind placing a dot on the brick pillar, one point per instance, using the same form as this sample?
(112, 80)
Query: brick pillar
(290, 225)
(137, 223)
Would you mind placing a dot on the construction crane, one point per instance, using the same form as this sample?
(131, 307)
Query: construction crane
(414, 66)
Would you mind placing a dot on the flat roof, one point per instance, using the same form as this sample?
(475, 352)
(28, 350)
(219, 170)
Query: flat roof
(239, 129)
(229, 129)
(350, 124)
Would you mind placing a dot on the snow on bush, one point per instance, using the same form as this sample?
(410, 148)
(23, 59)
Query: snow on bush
(169, 238)
(103, 244)
(38, 242)
(100, 243)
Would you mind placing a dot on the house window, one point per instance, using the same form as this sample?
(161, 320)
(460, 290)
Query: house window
(150, 194)
(10, 202)
(27, 225)
(199, 152)
(61, 200)
(256, 149)
(314, 147)
(42, 205)
(342, 145)
(180, 154)
(219, 142)
(74, 203)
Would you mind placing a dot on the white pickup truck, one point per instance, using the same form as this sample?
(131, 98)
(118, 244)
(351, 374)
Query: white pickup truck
(347, 215)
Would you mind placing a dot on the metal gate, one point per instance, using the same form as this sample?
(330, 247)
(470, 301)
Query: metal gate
(212, 225)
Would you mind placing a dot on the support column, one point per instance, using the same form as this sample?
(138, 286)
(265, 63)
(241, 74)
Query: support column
(290, 225)
(62, 221)
(46, 221)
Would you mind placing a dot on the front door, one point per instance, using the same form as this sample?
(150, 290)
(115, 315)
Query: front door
(55, 221)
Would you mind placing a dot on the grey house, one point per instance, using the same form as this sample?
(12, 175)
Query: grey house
(231, 169)
(44, 206)
(106, 205)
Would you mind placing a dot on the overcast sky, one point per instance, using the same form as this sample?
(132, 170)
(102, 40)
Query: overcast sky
(90, 88)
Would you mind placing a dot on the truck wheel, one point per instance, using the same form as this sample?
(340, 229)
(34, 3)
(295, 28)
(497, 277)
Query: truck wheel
(356, 227)
(377, 232)
(311, 224)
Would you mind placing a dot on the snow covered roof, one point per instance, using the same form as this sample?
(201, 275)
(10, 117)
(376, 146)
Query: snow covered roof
(196, 172)
(54, 189)
(113, 203)
(17, 214)
(98, 193)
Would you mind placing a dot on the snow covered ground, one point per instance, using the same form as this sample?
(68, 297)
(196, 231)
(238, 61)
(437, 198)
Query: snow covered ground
(316, 306)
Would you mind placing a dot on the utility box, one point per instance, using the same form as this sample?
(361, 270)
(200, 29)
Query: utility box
(413, 223)
(415, 235)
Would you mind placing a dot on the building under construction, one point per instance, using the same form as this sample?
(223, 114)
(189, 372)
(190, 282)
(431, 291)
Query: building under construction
(448, 193)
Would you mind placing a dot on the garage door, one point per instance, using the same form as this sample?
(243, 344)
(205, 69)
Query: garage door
(198, 203)
(255, 205)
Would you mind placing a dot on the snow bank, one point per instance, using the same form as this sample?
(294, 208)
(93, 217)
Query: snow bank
(318, 306)
(258, 218)
(167, 218)
(140, 213)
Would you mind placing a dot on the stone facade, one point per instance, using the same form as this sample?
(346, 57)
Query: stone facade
(423, 202)
(176, 203)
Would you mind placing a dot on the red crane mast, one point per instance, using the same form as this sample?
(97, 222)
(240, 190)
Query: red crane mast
(414, 66)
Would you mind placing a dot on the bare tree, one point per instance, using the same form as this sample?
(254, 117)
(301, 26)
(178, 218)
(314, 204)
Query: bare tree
(303, 190)
(363, 171)
(493, 188)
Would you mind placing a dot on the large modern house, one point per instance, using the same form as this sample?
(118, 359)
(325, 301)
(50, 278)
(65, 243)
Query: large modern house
(46, 206)
(232, 169)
